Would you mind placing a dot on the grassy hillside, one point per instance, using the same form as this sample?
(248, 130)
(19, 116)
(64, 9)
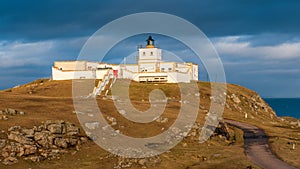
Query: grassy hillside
(44, 100)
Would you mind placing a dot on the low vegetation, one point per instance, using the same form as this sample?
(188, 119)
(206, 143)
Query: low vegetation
(44, 100)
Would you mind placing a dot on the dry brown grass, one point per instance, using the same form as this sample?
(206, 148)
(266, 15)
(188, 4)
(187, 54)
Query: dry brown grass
(43, 100)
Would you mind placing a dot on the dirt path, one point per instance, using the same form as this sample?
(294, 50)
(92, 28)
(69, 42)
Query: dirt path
(257, 148)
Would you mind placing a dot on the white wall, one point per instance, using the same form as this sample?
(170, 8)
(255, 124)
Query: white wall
(152, 76)
(175, 77)
(92, 65)
(128, 74)
(168, 66)
(132, 68)
(147, 67)
(101, 73)
(145, 54)
(195, 72)
(69, 75)
(70, 65)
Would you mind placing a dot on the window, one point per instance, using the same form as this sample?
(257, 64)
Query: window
(151, 53)
(162, 69)
(144, 53)
(170, 69)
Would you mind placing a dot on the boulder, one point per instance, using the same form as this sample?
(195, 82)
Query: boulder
(22, 113)
(55, 128)
(14, 128)
(4, 118)
(2, 143)
(46, 141)
(29, 133)
(18, 137)
(222, 130)
(61, 142)
(30, 149)
(10, 160)
(235, 99)
(43, 139)
(11, 112)
(34, 158)
(72, 129)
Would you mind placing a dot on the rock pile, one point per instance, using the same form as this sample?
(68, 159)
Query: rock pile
(4, 114)
(222, 130)
(47, 141)
(252, 104)
(149, 162)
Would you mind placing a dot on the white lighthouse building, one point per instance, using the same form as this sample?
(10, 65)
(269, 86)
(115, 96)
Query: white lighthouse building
(150, 68)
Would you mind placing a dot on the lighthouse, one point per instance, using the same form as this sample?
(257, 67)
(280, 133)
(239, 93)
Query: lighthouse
(150, 68)
(149, 57)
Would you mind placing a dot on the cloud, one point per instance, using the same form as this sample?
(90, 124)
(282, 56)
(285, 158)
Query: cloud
(233, 47)
(22, 62)
(40, 53)
(16, 53)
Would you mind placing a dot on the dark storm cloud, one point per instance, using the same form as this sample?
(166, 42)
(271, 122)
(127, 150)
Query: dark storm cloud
(258, 41)
(33, 20)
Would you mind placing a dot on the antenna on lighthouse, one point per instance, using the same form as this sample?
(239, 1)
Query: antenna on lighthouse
(139, 46)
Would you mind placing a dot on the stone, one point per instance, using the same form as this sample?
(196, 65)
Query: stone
(14, 128)
(83, 139)
(28, 132)
(71, 129)
(175, 130)
(142, 162)
(55, 128)
(43, 139)
(222, 130)
(21, 151)
(47, 141)
(4, 118)
(193, 133)
(61, 142)
(38, 136)
(11, 112)
(111, 119)
(162, 120)
(10, 160)
(30, 149)
(22, 113)
(123, 112)
(19, 138)
(73, 141)
(5, 153)
(2, 143)
(35, 158)
(235, 99)
(92, 125)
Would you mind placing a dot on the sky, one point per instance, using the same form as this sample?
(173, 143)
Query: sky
(257, 41)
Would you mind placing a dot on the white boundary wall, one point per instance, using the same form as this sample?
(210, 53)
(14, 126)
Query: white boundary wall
(69, 75)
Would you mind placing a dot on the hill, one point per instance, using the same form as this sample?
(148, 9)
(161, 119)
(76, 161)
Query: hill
(52, 100)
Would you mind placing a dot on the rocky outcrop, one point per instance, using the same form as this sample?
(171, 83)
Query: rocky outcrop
(4, 114)
(247, 105)
(222, 130)
(47, 141)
